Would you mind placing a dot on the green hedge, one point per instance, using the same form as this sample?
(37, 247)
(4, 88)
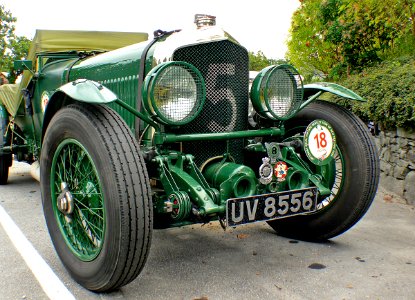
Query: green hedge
(389, 89)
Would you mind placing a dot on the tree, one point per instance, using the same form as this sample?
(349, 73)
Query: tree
(308, 49)
(404, 15)
(337, 37)
(258, 61)
(401, 14)
(12, 47)
(410, 7)
(369, 28)
(19, 48)
(6, 30)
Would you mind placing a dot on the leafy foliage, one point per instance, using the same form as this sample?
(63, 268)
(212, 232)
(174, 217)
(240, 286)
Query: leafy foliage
(6, 28)
(12, 47)
(390, 93)
(258, 61)
(307, 49)
(334, 38)
(365, 45)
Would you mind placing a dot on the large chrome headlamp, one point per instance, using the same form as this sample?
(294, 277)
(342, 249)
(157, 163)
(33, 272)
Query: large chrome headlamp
(277, 92)
(174, 93)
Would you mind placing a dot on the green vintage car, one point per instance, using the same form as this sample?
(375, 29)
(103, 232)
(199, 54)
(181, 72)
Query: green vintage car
(134, 134)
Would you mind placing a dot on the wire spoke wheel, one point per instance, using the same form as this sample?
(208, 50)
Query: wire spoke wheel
(84, 228)
(96, 196)
(333, 174)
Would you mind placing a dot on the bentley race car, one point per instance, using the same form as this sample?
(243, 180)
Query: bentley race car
(134, 134)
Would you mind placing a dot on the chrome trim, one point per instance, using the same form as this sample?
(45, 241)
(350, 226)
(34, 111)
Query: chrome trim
(164, 49)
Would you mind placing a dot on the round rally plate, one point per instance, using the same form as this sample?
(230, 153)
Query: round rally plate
(319, 142)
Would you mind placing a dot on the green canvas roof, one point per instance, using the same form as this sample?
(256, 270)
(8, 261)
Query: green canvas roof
(64, 40)
(55, 41)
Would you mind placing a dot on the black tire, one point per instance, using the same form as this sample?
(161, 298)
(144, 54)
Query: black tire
(359, 180)
(5, 163)
(121, 175)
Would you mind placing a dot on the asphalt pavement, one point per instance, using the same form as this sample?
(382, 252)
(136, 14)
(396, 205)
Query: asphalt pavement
(373, 260)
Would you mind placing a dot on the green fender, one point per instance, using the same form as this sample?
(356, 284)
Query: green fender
(88, 91)
(82, 90)
(313, 90)
(333, 88)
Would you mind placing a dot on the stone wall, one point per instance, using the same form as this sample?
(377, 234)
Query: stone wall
(397, 162)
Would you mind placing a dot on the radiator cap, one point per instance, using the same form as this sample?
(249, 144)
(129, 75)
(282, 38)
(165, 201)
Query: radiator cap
(203, 20)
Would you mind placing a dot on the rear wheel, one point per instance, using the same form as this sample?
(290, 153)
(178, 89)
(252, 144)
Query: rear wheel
(95, 194)
(5, 163)
(352, 176)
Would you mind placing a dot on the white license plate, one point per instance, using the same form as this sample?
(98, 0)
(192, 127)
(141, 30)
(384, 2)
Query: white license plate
(268, 207)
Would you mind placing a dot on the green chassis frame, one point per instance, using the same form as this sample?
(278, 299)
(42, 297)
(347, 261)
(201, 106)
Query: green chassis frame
(178, 173)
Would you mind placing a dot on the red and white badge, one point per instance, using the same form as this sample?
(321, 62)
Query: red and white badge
(280, 170)
(319, 142)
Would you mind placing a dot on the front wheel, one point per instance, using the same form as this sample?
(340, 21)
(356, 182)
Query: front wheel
(353, 175)
(95, 194)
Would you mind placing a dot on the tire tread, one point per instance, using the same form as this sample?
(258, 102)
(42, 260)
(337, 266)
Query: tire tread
(322, 225)
(131, 187)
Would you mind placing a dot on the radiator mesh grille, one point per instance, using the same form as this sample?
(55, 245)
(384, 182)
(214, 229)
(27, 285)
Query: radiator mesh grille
(224, 66)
